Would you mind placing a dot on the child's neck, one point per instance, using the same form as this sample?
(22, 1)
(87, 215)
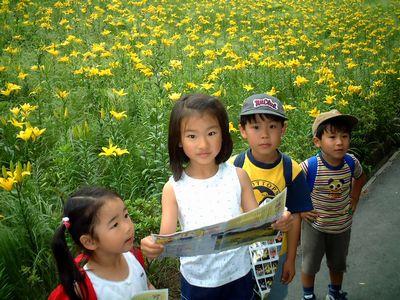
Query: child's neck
(109, 266)
(266, 159)
(200, 171)
(332, 161)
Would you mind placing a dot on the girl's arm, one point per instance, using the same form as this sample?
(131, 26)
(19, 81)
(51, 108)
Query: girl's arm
(169, 220)
(169, 216)
(248, 200)
(150, 286)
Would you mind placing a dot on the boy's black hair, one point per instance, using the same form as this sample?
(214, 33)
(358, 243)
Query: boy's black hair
(252, 119)
(82, 209)
(333, 125)
(186, 106)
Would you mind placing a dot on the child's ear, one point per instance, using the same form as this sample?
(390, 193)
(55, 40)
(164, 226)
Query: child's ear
(88, 242)
(243, 131)
(317, 142)
(284, 127)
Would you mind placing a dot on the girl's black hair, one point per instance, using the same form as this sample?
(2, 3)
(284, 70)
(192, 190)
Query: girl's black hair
(81, 208)
(333, 125)
(184, 107)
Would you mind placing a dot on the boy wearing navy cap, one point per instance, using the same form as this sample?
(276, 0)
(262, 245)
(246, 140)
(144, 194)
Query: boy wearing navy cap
(263, 124)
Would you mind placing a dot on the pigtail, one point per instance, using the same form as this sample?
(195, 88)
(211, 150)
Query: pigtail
(70, 276)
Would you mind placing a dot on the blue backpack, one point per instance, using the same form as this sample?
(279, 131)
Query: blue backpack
(287, 166)
(313, 167)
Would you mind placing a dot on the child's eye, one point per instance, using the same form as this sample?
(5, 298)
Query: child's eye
(255, 127)
(272, 126)
(191, 136)
(126, 216)
(212, 133)
(115, 225)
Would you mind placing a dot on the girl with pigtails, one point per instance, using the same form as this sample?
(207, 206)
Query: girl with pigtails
(108, 267)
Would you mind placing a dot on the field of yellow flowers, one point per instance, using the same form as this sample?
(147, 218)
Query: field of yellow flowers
(86, 88)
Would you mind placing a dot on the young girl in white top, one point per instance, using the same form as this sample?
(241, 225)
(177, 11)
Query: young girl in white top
(205, 190)
(98, 222)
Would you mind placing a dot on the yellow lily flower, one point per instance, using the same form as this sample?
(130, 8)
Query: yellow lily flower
(119, 93)
(36, 132)
(273, 91)
(25, 134)
(167, 86)
(118, 115)
(62, 94)
(329, 99)
(12, 87)
(15, 111)
(248, 87)
(7, 183)
(207, 86)
(120, 151)
(174, 96)
(26, 107)
(22, 75)
(354, 89)
(5, 92)
(232, 127)
(191, 85)
(288, 107)
(110, 151)
(314, 112)
(20, 172)
(16, 123)
(217, 93)
(300, 80)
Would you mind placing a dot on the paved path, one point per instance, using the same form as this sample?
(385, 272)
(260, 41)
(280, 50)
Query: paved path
(374, 254)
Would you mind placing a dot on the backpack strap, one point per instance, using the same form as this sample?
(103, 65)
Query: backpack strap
(312, 167)
(287, 169)
(139, 256)
(86, 287)
(239, 160)
(350, 162)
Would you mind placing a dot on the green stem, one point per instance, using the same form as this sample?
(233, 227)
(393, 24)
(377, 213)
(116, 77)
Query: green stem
(25, 219)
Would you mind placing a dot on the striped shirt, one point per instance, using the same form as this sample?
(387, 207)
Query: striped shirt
(331, 194)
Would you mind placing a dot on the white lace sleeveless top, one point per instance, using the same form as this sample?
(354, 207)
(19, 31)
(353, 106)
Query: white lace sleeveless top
(135, 283)
(203, 202)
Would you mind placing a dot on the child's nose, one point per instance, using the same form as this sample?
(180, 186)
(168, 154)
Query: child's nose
(129, 225)
(203, 142)
(265, 133)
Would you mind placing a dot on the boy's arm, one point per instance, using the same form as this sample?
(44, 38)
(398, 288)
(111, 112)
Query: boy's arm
(357, 185)
(169, 220)
(289, 267)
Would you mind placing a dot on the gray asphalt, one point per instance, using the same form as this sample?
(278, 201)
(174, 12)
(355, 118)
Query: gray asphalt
(374, 256)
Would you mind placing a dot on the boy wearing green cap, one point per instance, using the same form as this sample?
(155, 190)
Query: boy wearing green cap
(262, 124)
(335, 179)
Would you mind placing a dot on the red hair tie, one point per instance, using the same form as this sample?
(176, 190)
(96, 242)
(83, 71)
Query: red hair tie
(66, 222)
